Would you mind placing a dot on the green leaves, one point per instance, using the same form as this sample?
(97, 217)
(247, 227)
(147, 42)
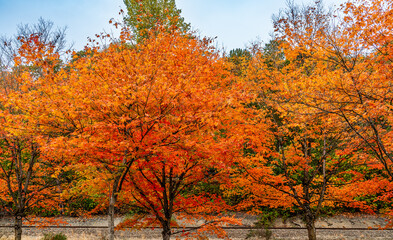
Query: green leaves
(147, 16)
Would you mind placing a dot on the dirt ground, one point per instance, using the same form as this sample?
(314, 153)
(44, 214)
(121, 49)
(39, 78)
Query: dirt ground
(362, 221)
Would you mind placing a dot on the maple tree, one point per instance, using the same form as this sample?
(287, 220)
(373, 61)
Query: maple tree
(324, 81)
(127, 103)
(304, 157)
(29, 178)
(292, 158)
(350, 54)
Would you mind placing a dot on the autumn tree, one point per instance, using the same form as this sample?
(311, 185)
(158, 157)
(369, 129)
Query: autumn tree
(293, 158)
(185, 144)
(46, 32)
(145, 15)
(122, 105)
(28, 176)
(350, 52)
(328, 89)
(310, 159)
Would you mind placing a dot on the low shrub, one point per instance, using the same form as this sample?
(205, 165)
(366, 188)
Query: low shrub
(52, 236)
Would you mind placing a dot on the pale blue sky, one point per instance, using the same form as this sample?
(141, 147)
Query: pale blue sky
(235, 23)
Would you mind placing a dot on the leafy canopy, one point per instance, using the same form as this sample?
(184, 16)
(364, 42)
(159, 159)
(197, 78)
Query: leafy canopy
(145, 15)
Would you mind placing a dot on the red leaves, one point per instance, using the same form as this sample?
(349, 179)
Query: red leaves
(143, 116)
(155, 121)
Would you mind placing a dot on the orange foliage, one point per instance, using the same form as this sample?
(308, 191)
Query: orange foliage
(144, 112)
(306, 122)
(29, 178)
(326, 94)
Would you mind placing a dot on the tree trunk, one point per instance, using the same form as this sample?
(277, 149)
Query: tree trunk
(111, 218)
(59, 190)
(111, 210)
(18, 227)
(166, 231)
(310, 224)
